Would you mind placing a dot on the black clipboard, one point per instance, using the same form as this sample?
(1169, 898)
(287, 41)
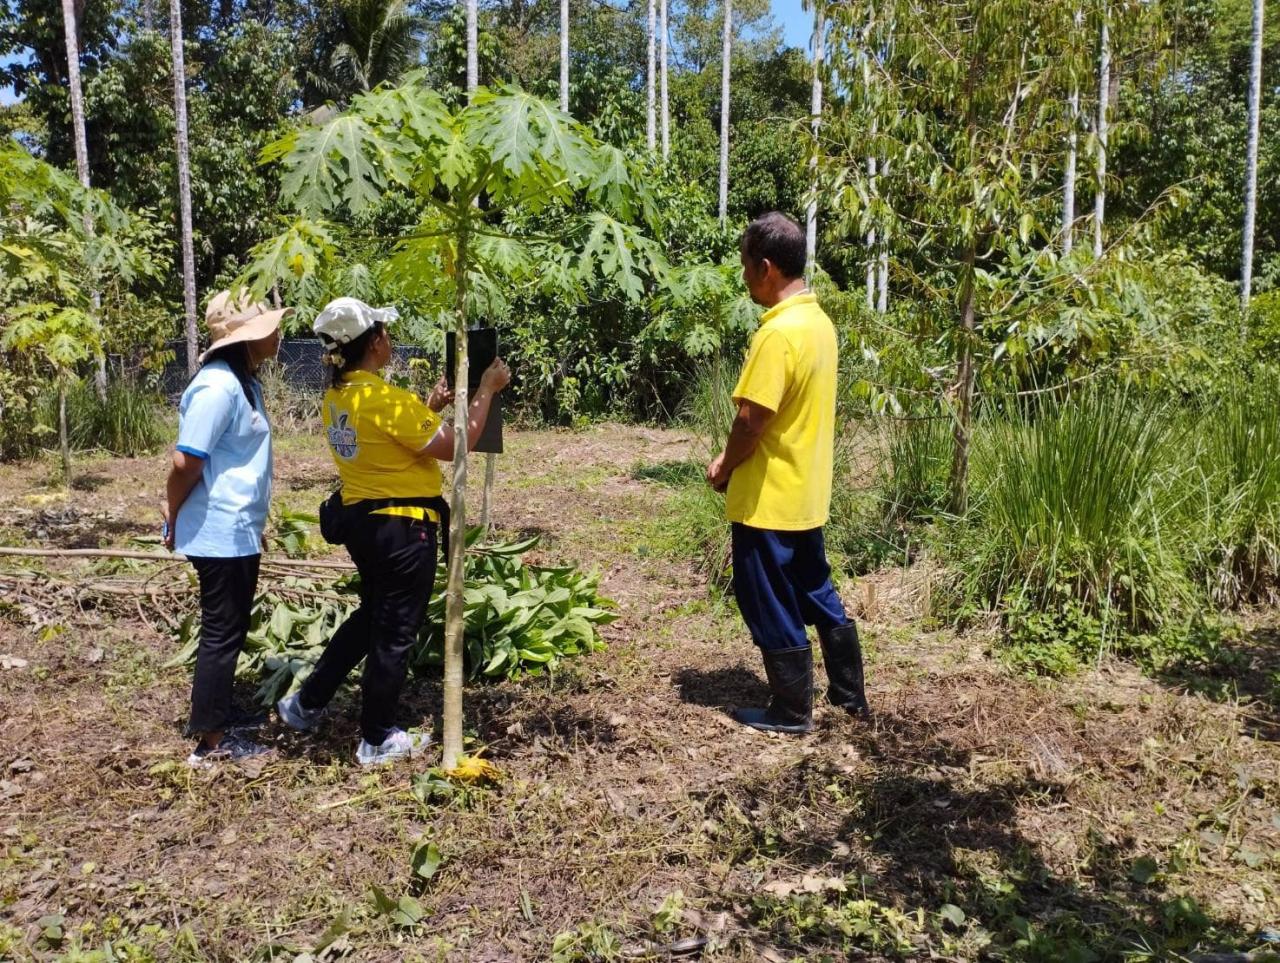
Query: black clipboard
(482, 350)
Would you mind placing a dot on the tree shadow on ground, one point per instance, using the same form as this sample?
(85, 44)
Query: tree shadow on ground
(914, 829)
(724, 688)
(1245, 670)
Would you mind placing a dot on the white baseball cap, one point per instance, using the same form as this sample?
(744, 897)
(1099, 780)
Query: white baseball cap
(345, 319)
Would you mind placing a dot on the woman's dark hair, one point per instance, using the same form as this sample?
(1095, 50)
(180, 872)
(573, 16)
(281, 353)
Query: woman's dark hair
(352, 353)
(778, 238)
(236, 357)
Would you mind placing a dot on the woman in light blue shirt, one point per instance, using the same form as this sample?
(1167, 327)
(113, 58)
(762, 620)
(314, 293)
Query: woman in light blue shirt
(215, 509)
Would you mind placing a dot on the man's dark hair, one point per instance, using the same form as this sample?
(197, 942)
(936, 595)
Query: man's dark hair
(779, 239)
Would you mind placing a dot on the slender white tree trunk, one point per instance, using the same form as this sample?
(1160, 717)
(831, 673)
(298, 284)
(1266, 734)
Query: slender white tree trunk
(70, 26)
(1251, 161)
(651, 77)
(726, 48)
(184, 183)
(873, 262)
(662, 78)
(564, 55)
(882, 276)
(1069, 176)
(473, 45)
(815, 111)
(1104, 98)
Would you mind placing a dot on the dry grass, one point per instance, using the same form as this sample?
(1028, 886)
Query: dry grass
(625, 781)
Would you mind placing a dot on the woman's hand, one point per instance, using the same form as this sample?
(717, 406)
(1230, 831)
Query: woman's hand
(166, 532)
(496, 377)
(440, 395)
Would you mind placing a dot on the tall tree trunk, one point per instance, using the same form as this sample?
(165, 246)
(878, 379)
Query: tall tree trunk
(815, 112)
(473, 45)
(1069, 176)
(662, 78)
(564, 55)
(1104, 99)
(882, 274)
(873, 260)
(1251, 165)
(71, 31)
(184, 184)
(454, 622)
(726, 48)
(965, 377)
(64, 440)
(651, 114)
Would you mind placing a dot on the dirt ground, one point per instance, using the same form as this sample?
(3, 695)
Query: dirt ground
(982, 815)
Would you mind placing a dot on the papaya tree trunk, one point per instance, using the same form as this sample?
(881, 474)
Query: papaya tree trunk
(454, 624)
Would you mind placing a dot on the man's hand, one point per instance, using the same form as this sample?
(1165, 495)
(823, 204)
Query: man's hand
(441, 395)
(496, 377)
(717, 476)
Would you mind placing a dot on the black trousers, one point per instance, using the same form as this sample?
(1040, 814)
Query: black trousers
(227, 587)
(396, 558)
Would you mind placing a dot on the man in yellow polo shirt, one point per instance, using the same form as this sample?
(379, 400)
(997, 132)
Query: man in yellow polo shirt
(776, 472)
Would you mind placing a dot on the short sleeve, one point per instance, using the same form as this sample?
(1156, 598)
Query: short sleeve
(410, 421)
(205, 413)
(764, 375)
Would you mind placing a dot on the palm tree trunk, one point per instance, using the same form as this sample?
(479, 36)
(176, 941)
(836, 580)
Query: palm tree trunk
(962, 428)
(454, 623)
(662, 77)
(184, 184)
(1104, 97)
(71, 31)
(564, 55)
(651, 114)
(1069, 176)
(815, 112)
(64, 440)
(1251, 164)
(726, 48)
(473, 45)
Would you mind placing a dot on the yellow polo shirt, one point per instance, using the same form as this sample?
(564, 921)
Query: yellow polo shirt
(376, 433)
(791, 369)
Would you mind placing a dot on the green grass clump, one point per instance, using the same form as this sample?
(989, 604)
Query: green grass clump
(128, 421)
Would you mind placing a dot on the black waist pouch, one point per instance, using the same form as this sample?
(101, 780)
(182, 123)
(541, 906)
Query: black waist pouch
(336, 518)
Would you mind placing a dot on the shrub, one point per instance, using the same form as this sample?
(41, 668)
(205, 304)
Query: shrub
(127, 422)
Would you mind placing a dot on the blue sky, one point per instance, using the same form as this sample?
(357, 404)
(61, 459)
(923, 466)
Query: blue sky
(796, 24)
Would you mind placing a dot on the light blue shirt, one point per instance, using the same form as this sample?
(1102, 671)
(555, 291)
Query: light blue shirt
(226, 512)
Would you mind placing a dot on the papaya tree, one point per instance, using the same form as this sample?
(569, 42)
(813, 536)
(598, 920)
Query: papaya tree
(56, 237)
(508, 190)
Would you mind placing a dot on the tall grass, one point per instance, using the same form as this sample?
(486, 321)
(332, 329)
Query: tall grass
(915, 467)
(1239, 557)
(1083, 502)
(129, 421)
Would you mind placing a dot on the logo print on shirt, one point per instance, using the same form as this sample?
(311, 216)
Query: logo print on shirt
(341, 435)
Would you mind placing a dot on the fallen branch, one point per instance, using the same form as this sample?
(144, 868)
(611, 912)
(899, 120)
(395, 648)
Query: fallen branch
(279, 560)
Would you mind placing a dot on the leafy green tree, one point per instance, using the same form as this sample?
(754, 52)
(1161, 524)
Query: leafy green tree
(379, 41)
(465, 168)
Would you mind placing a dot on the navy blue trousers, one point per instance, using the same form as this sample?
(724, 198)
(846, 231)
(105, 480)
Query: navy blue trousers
(783, 583)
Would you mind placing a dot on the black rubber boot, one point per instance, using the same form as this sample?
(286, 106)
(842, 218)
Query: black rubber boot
(842, 656)
(790, 673)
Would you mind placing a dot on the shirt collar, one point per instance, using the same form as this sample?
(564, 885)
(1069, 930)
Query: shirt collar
(804, 297)
(360, 375)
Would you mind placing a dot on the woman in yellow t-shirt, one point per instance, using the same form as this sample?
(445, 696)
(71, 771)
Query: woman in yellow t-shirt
(387, 445)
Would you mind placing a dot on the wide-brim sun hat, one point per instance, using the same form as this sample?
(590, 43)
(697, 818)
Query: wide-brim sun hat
(344, 319)
(232, 319)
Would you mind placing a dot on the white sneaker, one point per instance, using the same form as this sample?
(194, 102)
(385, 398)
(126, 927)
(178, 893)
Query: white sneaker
(296, 716)
(398, 745)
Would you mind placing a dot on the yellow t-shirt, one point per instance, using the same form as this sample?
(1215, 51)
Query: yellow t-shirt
(376, 434)
(785, 484)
